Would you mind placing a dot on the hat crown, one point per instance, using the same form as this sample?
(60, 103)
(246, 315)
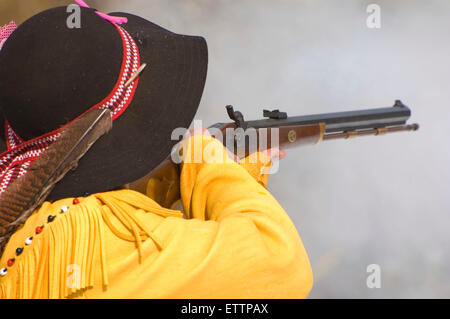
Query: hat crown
(52, 73)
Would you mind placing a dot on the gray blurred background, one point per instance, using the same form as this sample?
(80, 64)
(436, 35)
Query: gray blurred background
(375, 200)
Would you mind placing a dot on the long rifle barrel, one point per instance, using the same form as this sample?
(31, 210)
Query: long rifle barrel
(345, 121)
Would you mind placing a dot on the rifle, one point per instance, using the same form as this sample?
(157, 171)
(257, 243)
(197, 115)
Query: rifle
(294, 131)
(312, 129)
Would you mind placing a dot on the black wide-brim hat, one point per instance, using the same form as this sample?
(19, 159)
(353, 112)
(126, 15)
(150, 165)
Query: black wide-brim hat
(50, 74)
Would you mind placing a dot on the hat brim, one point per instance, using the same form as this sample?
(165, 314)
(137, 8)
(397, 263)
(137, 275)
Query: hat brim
(167, 97)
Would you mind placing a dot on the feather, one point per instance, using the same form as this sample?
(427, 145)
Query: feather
(29, 191)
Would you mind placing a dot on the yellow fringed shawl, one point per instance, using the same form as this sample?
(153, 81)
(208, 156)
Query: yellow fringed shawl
(71, 248)
(235, 242)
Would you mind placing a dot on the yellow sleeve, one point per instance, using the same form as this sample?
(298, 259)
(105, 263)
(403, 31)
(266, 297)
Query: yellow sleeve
(164, 185)
(238, 241)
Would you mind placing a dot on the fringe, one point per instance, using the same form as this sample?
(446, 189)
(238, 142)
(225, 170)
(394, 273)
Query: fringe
(69, 255)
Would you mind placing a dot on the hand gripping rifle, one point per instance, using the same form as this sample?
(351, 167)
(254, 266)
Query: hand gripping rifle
(295, 131)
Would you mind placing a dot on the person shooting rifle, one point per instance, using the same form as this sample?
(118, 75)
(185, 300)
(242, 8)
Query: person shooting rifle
(87, 116)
